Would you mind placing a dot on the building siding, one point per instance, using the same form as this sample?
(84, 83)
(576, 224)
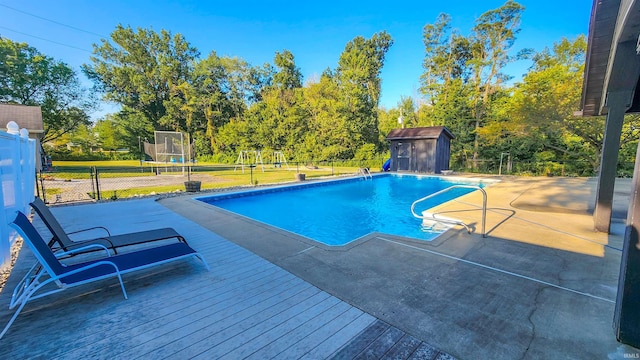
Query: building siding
(420, 155)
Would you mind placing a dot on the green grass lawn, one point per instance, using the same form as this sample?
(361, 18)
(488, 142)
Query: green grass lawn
(213, 176)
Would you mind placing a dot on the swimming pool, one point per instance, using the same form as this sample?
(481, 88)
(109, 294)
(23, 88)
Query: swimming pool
(340, 211)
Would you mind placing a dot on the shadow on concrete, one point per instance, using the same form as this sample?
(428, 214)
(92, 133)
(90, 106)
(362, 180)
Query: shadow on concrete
(542, 285)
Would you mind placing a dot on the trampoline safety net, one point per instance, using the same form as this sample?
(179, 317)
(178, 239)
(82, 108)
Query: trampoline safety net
(169, 147)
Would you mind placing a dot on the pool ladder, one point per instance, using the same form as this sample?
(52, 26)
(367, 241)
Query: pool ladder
(432, 217)
(365, 173)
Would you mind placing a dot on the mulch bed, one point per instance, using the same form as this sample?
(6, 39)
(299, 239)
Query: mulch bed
(15, 250)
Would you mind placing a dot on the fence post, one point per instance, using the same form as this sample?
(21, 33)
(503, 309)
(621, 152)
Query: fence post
(41, 187)
(95, 169)
(17, 186)
(93, 185)
(37, 186)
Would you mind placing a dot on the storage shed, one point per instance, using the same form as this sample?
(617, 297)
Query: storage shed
(422, 149)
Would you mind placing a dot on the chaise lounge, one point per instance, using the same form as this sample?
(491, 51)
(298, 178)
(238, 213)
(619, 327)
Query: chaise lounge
(48, 268)
(62, 241)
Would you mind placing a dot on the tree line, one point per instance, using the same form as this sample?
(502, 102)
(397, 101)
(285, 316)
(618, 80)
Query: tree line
(226, 105)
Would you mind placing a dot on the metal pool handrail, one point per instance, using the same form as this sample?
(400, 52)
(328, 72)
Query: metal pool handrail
(365, 173)
(474, 187)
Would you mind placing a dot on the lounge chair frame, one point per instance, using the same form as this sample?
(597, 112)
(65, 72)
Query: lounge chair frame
(61, 241)
(48, 269)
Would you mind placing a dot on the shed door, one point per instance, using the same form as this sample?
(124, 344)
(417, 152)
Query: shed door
(404, 156)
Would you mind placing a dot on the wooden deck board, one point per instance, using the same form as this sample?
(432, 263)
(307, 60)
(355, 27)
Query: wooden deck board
(115, 309)
(244, 304)
(363, 340)
(378, 348)
(321, 334)
(383, 341)
(403, 348)
(144, 337)
(296, 334)
(207, 326)
(236, 324)
(210, 320)
(239, 346)
(268, 336)
(340, 338)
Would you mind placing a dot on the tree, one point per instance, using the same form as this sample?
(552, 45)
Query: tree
(29, 77)
(492, 38)
(140, 70)
(288, 75)
(280, 118)
(447, 54)
(408, 111)
(220, 93)
(134, 128)
(539, 111)
(358, 77)
(446, 85)
(109, 134)
(327, 136)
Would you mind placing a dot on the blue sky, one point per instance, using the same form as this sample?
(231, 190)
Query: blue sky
(314, 31)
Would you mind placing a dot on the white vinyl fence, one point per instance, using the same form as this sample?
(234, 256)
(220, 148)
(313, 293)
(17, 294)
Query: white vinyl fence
(17, 179)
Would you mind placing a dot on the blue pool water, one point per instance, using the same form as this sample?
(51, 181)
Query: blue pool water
(338, 212)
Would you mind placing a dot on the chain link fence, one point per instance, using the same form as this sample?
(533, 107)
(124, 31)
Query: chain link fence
(89, 183)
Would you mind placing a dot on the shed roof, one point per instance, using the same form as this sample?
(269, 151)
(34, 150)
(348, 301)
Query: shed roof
(432, 132)
(28, 117)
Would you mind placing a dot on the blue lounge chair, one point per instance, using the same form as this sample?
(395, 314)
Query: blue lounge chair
(61, 241)
(48, 269)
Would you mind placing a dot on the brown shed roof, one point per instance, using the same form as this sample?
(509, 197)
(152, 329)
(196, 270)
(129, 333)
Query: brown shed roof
(432, 132)
(28, 117)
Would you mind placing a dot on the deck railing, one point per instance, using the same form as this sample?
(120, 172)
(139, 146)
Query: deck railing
(17, 182)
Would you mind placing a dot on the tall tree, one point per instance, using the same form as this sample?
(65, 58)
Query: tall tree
(139, 69)
(288, 75)
(492, 39)
(408, 111)
(446, 85)
(358, 76)
(279, 120)
(542, 106)
(328, 135)
(542, 103)
(223, 90)
(134, 128)
(447, 54)
(110, 134)
(29, 77)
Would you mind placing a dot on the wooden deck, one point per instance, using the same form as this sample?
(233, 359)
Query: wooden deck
(245, 307)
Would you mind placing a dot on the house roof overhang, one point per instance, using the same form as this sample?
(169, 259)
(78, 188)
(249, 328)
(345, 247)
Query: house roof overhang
(612, 61)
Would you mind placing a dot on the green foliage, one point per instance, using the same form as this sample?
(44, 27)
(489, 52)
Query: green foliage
(447, 56)
(358, 76)
(140, 70)
(328, 119)
(29, 77)
(288, 76)
(227, 105)
(365, 152)
(328, 127)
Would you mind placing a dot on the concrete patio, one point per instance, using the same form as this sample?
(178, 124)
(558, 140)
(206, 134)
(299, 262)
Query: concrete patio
(541, 285)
